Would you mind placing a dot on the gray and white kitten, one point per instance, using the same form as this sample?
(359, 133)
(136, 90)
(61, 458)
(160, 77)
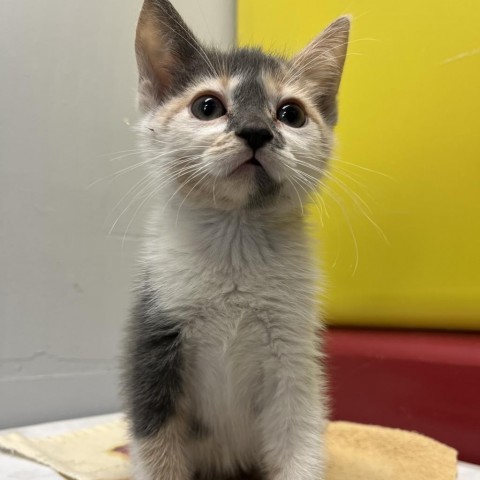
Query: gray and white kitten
(222, 377)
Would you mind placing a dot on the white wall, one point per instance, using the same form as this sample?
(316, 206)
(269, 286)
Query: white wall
(67, 81)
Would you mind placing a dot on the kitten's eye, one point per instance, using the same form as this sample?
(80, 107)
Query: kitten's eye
(208, 108)
(292, 115)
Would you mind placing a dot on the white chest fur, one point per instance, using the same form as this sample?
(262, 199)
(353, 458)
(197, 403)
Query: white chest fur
(243, 288)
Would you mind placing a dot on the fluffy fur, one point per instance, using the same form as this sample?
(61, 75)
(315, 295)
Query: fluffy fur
(221, 374)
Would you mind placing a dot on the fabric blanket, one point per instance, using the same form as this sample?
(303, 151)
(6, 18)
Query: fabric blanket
(355, 452)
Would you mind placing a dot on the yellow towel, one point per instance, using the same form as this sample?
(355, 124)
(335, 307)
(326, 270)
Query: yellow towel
(367, 452)
(355, 452)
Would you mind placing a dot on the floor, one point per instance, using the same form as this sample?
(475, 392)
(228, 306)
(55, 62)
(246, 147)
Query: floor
(12, 468)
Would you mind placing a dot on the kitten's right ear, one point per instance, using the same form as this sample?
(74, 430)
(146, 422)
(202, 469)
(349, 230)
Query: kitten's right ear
(163, 44)
(322, 61)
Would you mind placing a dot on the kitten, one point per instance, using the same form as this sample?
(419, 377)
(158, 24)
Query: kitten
(222, 375)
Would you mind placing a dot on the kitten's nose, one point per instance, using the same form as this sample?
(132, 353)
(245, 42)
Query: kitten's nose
(256, 137)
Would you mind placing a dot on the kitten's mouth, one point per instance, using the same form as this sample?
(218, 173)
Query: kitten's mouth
(253, 161)
(250, 163)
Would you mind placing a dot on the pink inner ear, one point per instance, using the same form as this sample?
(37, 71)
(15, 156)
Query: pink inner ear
(154, 59)
(163, 44)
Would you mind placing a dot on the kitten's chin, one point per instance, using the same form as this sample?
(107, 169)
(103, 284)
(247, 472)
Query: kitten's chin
(251, 186)
(248, 187)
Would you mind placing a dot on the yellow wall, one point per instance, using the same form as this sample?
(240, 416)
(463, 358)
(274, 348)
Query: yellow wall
(409, 109)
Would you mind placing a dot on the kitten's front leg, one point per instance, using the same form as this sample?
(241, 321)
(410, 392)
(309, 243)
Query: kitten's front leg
(293, 421)
(155, 399)
(161, 456)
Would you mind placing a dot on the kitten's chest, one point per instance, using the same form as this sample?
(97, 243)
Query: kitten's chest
(227, 264)
(227, 333)
(225, 349)
(234, 301)
(223, 292)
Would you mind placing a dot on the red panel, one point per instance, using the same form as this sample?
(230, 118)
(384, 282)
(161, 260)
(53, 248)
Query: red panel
(423, 381)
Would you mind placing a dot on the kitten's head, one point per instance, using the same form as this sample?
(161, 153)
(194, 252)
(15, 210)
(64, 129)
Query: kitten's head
(239, 129)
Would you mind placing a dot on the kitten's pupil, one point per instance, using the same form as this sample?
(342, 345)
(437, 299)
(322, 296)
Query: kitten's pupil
(292, 115)
(208, 108)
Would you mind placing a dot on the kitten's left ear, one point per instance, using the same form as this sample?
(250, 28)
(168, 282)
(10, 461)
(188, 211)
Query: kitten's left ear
(322, 62)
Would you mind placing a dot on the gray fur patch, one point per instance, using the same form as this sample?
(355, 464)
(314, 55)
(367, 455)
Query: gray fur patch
(153, 374)
(266, 190)
(250, 107)
(246, 63)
